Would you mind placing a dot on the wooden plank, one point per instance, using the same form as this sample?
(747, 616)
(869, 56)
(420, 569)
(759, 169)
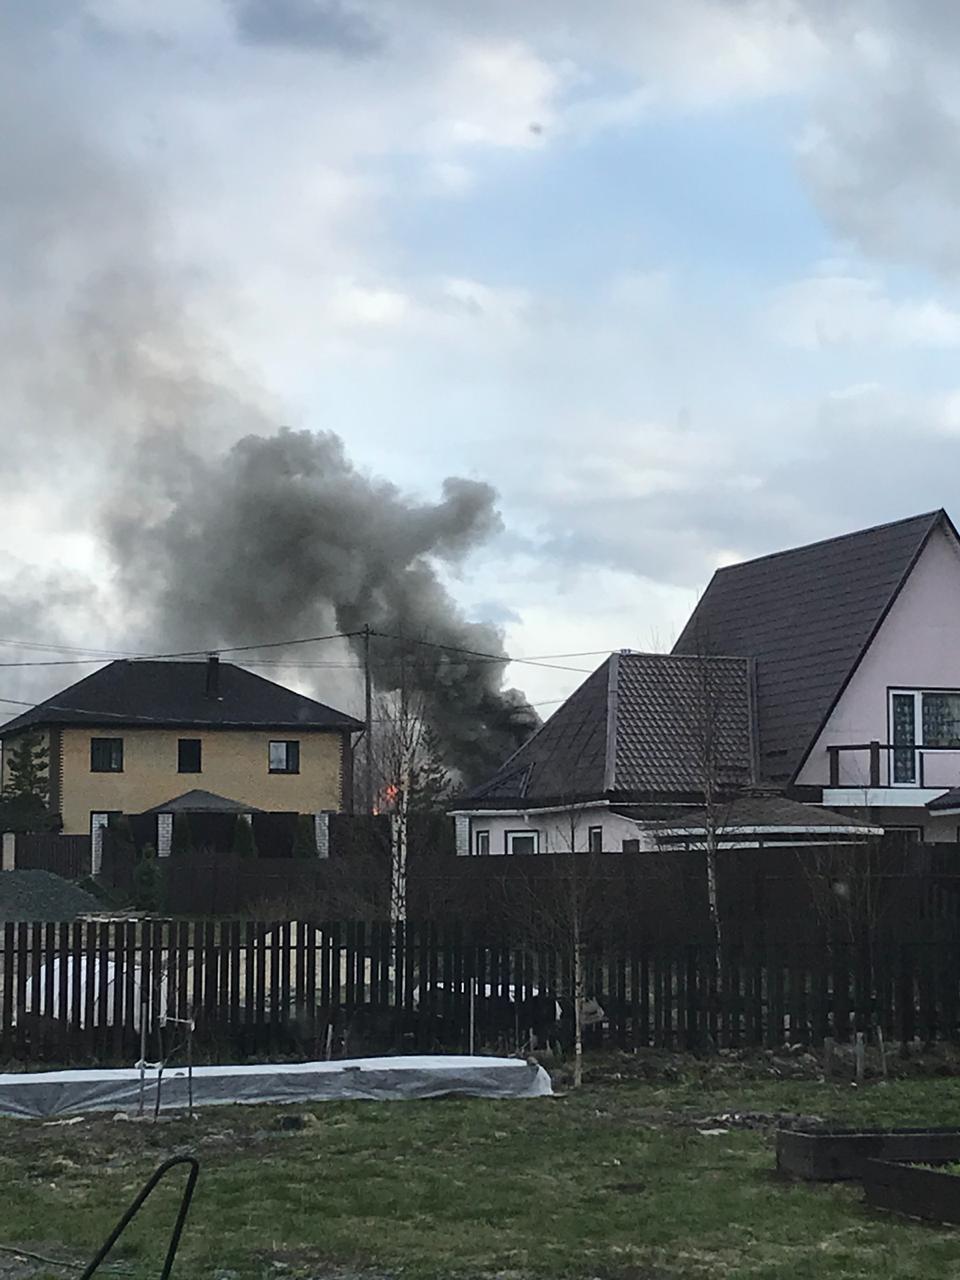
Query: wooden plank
(131, 1014)
(21, 1001)
(774, 1031)
(841, 994)
(300, 934)
(249, 1006)
(260, 1030)
(312, 960)
(9, 962)
(63, 978)
(196, 979)
(236, 975)
(212, 960)
(145, 995)
(90, 986)
(282, 978)
(102, 1012)
(117, 955)
(181, 970)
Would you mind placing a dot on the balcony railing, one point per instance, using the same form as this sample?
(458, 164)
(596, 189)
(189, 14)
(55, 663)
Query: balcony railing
(876, 750)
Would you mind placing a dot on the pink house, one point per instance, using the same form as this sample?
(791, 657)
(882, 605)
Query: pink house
(856, 644)
(835, 668)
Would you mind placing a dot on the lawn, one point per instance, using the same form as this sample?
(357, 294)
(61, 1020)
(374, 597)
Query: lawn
(615, 1181)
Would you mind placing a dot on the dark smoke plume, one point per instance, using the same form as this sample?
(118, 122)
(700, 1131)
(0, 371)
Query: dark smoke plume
(284, 537)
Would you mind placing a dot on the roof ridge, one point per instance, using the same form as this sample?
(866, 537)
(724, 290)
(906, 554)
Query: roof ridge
(930, 516)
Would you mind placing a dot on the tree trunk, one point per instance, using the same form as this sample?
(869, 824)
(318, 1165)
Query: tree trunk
(578, 998)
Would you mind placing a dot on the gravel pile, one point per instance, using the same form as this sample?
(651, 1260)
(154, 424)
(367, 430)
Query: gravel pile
(40, 895)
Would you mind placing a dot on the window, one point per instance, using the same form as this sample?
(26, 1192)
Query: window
(106, 755)
(481, 843)
(188, 755)
(284, 757)
(522, 842)
(927, 718)
(595, 839)
(941, 719)
(631, 845)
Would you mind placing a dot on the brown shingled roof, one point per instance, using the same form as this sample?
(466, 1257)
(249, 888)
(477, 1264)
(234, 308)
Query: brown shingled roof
(633, 730)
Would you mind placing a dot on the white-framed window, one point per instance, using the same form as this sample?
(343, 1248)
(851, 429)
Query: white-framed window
(481, 843)
(595, 839)
(927, 718)
(521, 841)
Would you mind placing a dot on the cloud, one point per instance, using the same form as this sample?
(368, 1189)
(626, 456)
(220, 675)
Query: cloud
(839, 310)
(881, 152)
(328, 25)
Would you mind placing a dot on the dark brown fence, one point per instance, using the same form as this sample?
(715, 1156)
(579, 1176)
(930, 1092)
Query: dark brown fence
(87, 991)
(67, 856)
(225, 884)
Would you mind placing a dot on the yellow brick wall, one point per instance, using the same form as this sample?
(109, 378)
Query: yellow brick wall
(234, 764)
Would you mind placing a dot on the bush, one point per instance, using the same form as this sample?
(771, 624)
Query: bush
(244, 842)
(146, 880)
(181, 840)
(305, 837)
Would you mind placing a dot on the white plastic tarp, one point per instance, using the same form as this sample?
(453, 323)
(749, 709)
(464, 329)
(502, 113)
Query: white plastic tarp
(55, 1093)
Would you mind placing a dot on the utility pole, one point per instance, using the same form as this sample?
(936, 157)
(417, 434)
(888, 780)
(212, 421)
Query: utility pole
(368, 718)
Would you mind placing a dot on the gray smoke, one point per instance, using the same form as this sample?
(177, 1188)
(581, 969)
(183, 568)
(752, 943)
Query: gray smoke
(283, 537)
(120, 417)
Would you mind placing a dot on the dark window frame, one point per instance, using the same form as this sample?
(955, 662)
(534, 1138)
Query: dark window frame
(189, 742)
(98, 749)
(292, 751)
(595, 839)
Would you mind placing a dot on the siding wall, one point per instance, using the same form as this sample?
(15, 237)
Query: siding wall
(917, 647)
(559, 833)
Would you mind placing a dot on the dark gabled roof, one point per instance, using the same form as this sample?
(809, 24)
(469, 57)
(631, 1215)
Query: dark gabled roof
(173, 695)
(198, 801)
(633, 729)
(807, 617)
(949, 802)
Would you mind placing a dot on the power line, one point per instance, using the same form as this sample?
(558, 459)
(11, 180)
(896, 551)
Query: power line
(478, 653)
(468, 655)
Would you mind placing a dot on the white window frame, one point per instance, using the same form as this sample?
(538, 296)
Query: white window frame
(917, 695)
(590, 835)
(481, 837)
(509, 836)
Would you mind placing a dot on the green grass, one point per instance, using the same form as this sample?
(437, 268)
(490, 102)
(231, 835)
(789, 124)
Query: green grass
(613, 1182)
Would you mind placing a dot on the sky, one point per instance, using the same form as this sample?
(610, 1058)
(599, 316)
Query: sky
(680, 282)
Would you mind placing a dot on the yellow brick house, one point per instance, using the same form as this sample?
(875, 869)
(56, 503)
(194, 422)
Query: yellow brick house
(137, 735)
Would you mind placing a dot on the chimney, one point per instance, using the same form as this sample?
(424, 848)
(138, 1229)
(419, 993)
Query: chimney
(213, 675)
